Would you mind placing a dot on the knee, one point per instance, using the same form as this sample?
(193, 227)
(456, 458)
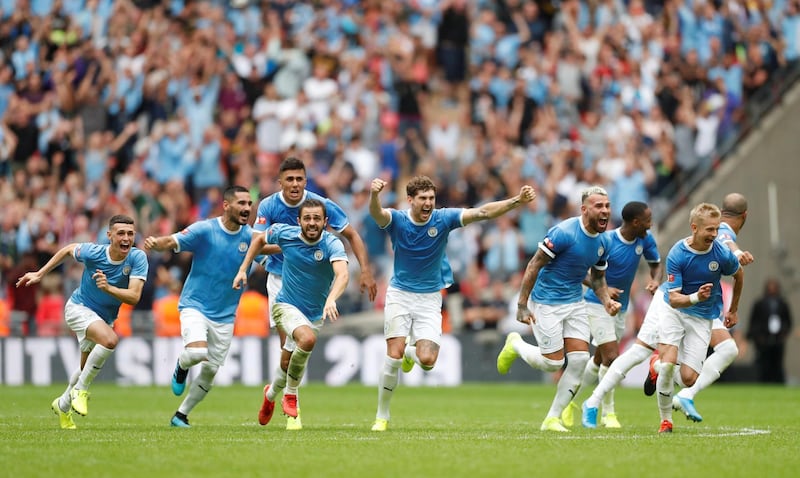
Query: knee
(609, 357)
(306, 342)
(109, 341)
(427, 360)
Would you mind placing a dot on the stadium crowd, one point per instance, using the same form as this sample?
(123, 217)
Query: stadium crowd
(151, 108)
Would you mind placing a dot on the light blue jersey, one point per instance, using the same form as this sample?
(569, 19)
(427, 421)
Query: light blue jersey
(119, 273)
(216, 256)
(573, 251)
(688, 269)
(623, 261)
(273, 209)
(725, 234)
(420, 263)
(307, 270)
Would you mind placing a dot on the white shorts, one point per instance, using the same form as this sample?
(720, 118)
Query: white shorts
(690, 334)
(78, 318)
(289, 318)
(274, 284)
(604, 328)
(554, 323)
(648, 333)
(413, 315)
(196, 327)
(717, 324)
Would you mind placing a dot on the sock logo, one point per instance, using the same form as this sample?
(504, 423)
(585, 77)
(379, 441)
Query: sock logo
(665, 394)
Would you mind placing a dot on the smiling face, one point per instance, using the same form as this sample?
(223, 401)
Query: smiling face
(312, 222)
(293, 183)
(704, 231)
(595, 210)
(704, 219)
(422, 205)
(122, 236)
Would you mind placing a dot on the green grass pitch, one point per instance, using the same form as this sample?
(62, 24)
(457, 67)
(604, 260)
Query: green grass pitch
(474, 430)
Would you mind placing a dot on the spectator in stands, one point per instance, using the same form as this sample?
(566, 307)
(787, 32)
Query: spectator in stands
(50, 312)
(553, 78)
(166, 317)
(252, 315)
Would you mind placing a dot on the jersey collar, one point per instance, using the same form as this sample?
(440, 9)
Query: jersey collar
(227, 231)
(286, 203)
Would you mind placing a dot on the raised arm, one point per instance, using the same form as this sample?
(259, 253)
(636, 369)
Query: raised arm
(498, 208)
(162, 243)
(745, 257)
(379, 214)
(31, 278)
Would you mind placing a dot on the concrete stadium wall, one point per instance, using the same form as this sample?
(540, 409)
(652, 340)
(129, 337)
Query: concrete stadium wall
(769, 155)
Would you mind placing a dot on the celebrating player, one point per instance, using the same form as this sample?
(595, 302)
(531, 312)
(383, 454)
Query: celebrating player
(551, 299)
(208, 304)
(314, 275)
(413, 300)
(113, 274)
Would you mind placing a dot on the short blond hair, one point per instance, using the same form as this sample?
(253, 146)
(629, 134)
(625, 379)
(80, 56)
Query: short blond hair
(704, 210)
(592, 190)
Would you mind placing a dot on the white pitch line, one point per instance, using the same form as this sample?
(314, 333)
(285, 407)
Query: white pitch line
(722, 433)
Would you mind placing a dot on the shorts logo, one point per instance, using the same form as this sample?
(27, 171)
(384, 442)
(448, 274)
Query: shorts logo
(546, 341)
(713, 266)
(639, 250)
(600, 251)
(433, 232)
(243, 247)
(318, 255)
(126, 270)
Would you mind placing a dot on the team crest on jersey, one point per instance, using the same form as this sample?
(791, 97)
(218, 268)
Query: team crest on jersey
(433, 232)
(639, 249)
(318, 255)
(600, 251)
(126, 270)
(242, 247)
(713, 266)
